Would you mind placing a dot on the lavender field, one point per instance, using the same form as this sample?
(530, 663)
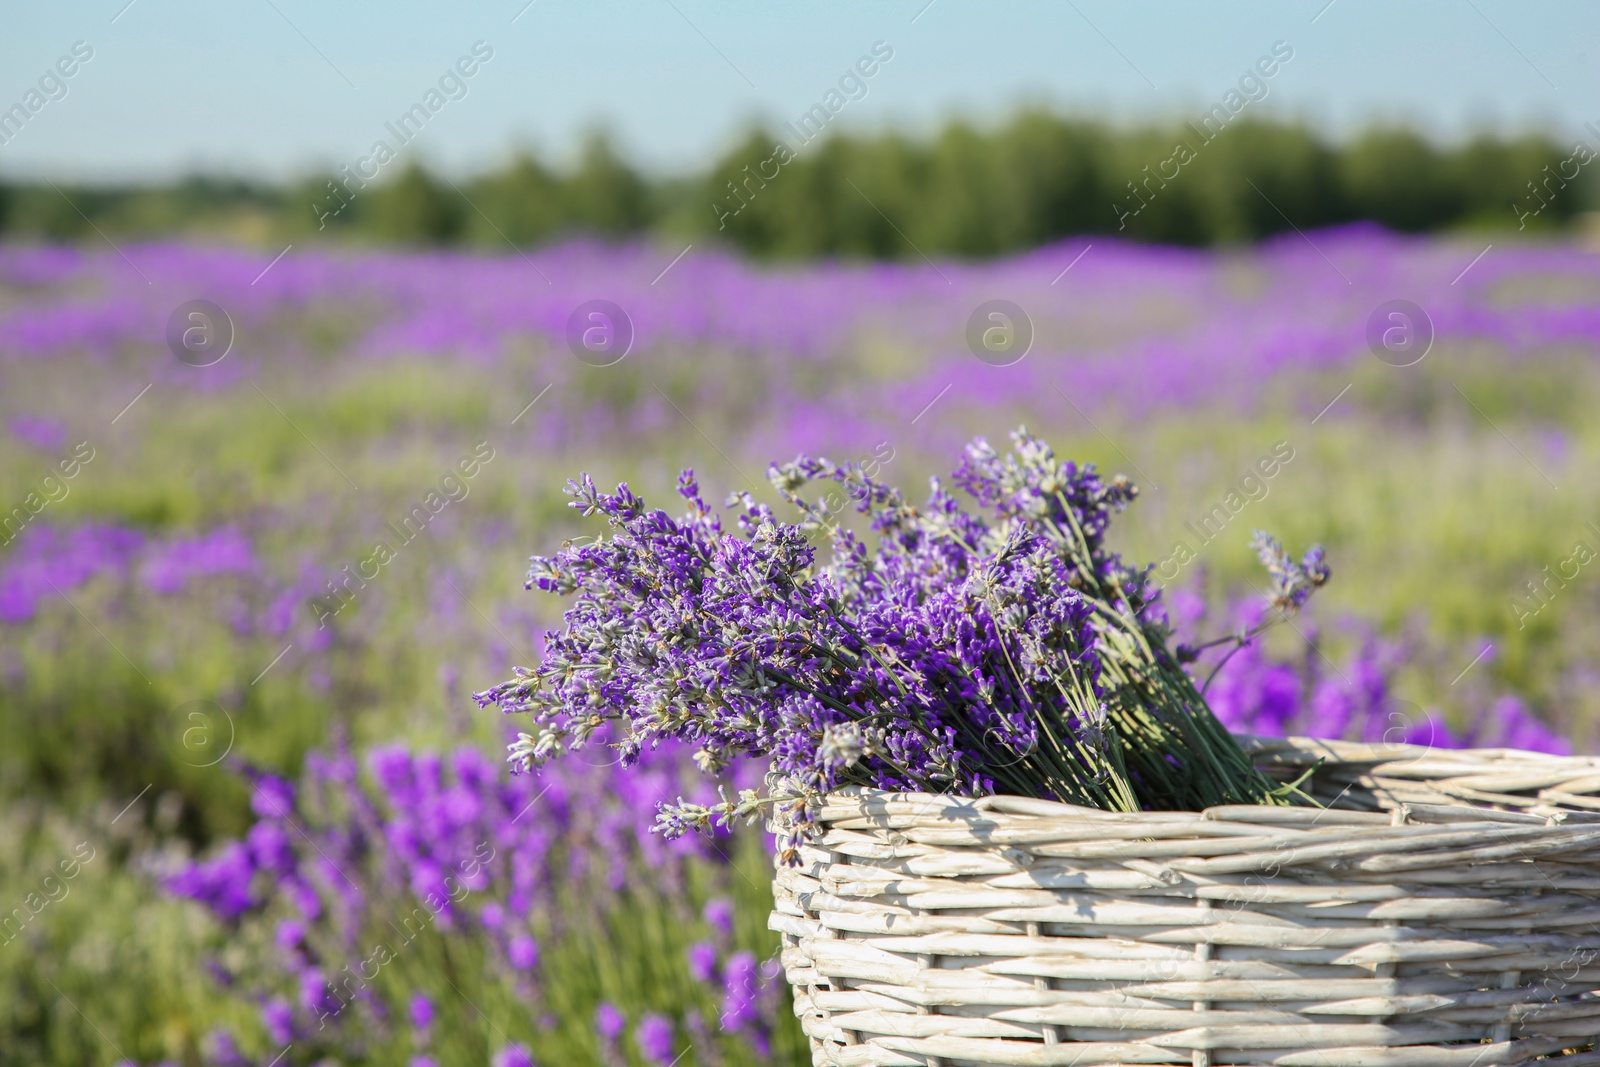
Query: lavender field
(244, 606)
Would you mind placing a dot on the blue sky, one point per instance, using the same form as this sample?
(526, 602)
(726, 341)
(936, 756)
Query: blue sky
(269, 88)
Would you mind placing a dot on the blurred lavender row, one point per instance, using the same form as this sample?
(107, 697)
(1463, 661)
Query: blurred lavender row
(1223, 326)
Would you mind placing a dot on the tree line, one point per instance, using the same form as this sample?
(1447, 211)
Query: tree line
(963, 191)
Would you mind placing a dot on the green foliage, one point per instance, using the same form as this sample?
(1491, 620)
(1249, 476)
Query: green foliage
(101, 968)
(526, 202)
(415, 208)
(604, 194)
(964, 191)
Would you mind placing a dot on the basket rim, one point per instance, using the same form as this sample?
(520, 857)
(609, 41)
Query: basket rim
(1460, 776)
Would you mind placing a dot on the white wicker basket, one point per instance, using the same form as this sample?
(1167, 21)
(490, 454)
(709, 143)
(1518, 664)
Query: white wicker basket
(1445, 912)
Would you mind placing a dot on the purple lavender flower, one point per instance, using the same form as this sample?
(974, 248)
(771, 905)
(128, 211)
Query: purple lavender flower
(221, 883)
(421, 1012)
(39, 431)
(316, 995)
(277, 1016)
(608, 1021)
(273, 798)
(653, 1036)
(221, 1051)
(46, 562)
(515, 1055)
(702, 961)
(270, 849)
(300, 894)
(739, 984)
(169, 567)
(523, 952)
(1509, 724)
(719, 913)
(452, 816)
(1291, 583)
(290, 934)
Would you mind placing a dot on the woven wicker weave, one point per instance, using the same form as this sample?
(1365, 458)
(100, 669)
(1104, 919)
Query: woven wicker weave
(1444, 913)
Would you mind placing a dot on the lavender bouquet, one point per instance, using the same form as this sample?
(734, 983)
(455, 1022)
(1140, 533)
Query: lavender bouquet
(1000, 649)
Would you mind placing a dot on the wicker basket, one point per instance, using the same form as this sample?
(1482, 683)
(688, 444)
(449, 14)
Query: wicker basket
(1444, 912)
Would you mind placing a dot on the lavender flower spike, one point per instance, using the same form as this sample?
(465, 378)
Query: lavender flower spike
(1291, 583)
(1002, 649)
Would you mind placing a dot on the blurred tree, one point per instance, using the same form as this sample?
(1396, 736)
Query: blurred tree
(1500, 178)
(823, 203)
(1058, 172)
(965, 208)
(966, 191)
(1266, 179)
(1165, 198)
(1394, 177)
(740, 195)
(875, 190)
(525, 204)
(39, 211)
(605, 194)
(412, 209)
(310, 207)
